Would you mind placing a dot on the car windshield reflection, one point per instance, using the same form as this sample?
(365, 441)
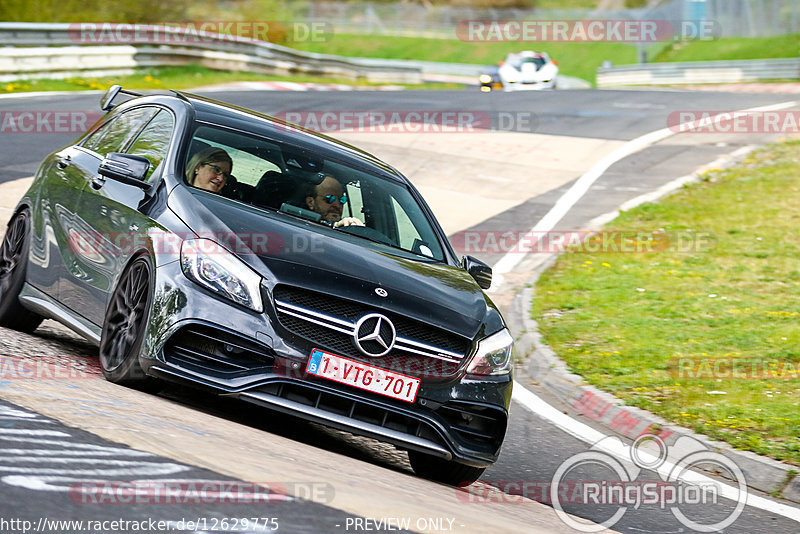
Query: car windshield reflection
(265, 174)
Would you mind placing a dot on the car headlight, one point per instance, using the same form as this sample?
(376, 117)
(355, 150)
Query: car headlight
(208, 264)
(485, 78)
(493, 356)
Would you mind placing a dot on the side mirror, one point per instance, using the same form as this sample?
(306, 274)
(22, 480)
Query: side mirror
(478, 270)
(126, 168)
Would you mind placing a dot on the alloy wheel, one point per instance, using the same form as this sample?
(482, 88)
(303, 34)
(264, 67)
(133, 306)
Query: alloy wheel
(11, 251)
(126, 316)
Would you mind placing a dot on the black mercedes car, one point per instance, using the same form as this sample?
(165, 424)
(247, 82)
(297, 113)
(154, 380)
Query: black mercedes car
(183, 236)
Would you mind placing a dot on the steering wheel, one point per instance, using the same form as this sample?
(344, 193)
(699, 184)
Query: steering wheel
(364, 231)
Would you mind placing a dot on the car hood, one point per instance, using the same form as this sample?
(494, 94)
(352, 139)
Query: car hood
(295, 252)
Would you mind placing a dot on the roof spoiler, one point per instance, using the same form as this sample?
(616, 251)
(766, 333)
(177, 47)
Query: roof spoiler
(106, 103)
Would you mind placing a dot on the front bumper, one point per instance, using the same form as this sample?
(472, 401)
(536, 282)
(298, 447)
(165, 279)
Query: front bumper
(529, 86)
(198, 338)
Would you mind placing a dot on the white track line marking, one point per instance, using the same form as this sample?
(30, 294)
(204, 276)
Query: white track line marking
(511, 259)
(667, 188)
(31, 432)
(587, 434)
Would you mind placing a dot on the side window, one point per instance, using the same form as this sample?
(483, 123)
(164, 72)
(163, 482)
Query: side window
(355, 204)
(92, 141)
(113, 136)
(153, 142)
(407, 233)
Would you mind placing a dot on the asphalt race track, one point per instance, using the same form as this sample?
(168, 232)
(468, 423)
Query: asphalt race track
(63, 437)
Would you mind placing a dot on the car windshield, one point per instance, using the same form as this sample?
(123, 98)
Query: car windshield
(298, 183)
(518, 62)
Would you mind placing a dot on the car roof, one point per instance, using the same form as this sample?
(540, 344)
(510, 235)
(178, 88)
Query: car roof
(216, 112)
(245, 120)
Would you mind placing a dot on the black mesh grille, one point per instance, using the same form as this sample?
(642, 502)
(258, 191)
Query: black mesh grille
(358, 410)
(337, 342)
(205, 348)
(475, 424)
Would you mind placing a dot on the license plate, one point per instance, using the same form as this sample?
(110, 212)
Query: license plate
(362, 376)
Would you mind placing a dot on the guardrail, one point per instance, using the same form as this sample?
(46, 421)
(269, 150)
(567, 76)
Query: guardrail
(33, 50)
(749, 70)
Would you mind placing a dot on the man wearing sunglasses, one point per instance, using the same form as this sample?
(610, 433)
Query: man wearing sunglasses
(328, 198)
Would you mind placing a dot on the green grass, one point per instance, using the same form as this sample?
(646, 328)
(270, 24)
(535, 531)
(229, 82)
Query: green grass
(574, 59)
(732, 48)
(727, 287)
(177, 78)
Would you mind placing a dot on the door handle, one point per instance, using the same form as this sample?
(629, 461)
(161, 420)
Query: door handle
(63, 163)
(98, 182)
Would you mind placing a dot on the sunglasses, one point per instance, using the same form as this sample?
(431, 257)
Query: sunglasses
(218, 170)
(330, 199)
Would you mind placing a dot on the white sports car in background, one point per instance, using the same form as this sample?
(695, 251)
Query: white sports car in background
(528, 70)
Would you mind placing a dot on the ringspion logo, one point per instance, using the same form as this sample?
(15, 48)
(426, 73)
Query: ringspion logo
(619, 490)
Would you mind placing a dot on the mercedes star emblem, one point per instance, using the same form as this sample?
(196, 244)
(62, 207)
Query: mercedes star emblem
(381, 292)
(374, 335)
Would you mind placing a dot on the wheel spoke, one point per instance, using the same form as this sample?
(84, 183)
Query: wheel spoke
(8, 253)
(138, 296)
(18, 235)
(11, 248)
(130, 337)
(5, 256)
(114, 321)
(127, 289)
(117, 350)
(136, 284)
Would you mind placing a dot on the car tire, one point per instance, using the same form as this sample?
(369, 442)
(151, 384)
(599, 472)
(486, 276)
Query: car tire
(125, 325)
(444, 471)
(13, 265)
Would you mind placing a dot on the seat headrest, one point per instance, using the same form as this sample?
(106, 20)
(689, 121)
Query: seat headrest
(275, 188)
